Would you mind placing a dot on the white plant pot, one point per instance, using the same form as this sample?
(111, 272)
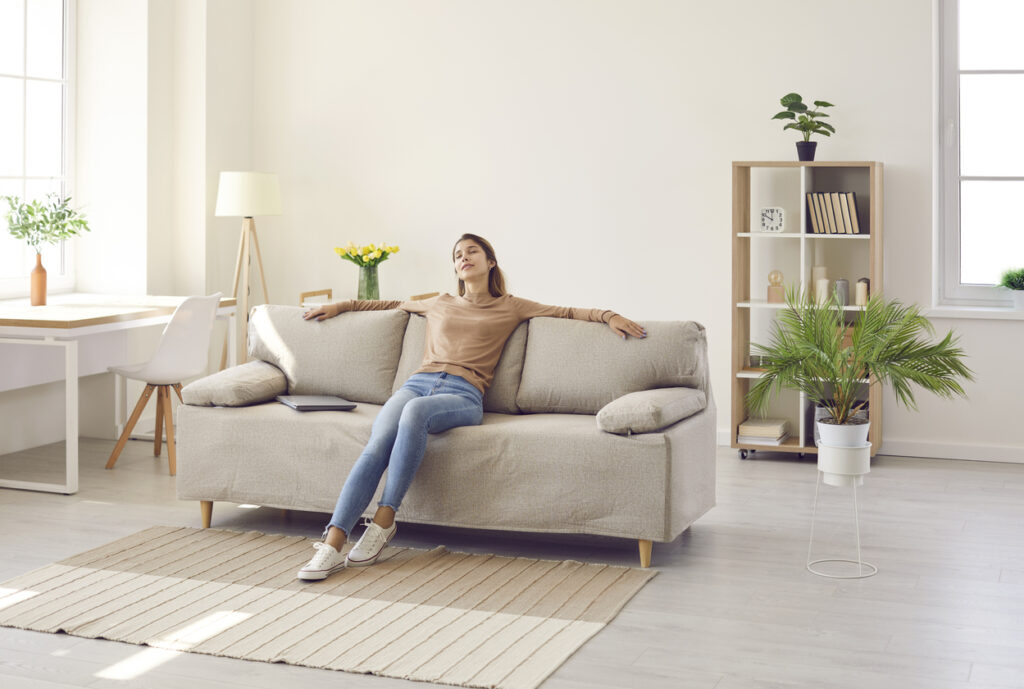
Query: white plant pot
(1018, 299)
(844, 466)
(846, 435)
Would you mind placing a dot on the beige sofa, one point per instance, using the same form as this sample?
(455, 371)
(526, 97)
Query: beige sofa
(583, 432)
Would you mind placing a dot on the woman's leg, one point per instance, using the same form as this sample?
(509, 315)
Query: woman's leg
(421, 416)
(362, 481)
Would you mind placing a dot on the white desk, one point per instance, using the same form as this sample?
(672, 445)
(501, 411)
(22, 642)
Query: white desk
(71, 320)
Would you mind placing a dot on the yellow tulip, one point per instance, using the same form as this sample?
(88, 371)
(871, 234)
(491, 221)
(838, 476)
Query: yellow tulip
(375, 254)
(338, 250)
(365, 250)
(393, 250)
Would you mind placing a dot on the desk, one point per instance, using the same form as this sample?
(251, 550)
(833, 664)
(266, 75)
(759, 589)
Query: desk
(66, 322)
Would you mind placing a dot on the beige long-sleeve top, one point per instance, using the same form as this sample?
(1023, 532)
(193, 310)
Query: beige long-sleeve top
(465, 335)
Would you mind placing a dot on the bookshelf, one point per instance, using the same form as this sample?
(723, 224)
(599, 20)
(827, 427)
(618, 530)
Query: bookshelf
(794, 251)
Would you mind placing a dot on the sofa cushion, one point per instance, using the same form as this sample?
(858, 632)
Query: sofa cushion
(238, 386)
(501, 395)
(577, 367)
(650, 410)
(354, 355)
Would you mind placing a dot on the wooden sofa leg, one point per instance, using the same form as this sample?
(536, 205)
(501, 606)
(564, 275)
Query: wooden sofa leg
(645, 553)
(206, 507)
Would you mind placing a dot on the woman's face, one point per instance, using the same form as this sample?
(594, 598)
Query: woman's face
(470, 261)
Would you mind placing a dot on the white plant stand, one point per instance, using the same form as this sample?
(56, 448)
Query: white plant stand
(841, 466)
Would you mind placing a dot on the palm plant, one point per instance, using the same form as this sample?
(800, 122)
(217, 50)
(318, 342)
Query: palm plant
(810, 351)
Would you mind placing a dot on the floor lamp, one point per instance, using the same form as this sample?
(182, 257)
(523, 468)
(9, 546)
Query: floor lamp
(247, 194)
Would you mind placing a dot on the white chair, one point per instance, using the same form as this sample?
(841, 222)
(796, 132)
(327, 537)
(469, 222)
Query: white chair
(182, 353)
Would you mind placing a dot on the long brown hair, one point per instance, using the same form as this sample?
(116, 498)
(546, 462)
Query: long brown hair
(495, 279)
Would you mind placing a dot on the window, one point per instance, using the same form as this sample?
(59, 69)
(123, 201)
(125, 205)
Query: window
(35, 131)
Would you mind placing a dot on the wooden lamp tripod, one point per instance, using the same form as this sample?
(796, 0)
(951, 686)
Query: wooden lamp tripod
(247, 194)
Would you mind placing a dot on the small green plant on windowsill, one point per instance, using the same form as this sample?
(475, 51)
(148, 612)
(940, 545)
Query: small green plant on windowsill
(1013, 279)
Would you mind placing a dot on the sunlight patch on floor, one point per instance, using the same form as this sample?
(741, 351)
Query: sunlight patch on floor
(9, 597)
(172, 645)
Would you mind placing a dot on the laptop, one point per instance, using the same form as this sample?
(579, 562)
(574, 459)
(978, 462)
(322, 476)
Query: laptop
(316, 402)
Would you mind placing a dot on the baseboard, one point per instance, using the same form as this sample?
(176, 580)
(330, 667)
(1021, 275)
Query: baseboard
(724, 438)
(1012, 454)
(981, 453)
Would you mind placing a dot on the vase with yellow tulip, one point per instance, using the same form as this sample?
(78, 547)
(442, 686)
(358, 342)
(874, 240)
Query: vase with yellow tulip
(367, 258)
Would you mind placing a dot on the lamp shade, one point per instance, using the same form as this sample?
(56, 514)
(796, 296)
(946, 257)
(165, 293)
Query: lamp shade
(248, 194)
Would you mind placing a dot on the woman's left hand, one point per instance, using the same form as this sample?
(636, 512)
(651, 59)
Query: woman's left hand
(625, 327)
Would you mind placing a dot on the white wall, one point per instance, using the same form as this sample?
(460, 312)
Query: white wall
(591, 143)
(111, 145)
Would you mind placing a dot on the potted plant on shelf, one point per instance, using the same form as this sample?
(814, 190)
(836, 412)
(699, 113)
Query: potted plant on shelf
(1013, 280)
(806, 121)
(813, 350)
(38, 222)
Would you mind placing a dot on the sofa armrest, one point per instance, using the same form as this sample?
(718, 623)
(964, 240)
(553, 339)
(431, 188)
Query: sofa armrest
(650, 410)
(238, 386)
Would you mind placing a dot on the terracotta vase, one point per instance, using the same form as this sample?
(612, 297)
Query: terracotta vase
(38, 292)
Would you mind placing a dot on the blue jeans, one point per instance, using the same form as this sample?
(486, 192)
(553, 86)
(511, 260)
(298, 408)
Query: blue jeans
(427, 403)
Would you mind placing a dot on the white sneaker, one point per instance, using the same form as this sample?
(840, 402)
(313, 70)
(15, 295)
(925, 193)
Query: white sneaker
(326, 561)
(371, 545)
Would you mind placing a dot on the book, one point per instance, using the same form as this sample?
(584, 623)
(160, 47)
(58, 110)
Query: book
(840, 200)
(837, 216)
(810, 214)
(757, 440)
(766, 428)
(851, 198)
(316, 402)
(830, 217)
(820, 210)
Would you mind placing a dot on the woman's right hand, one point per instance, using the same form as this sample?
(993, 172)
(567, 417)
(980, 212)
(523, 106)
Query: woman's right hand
(323, 312)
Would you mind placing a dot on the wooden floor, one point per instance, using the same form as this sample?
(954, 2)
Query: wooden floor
(732, 607)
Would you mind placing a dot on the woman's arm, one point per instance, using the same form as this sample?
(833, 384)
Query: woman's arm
(331, 310)
(619, 324)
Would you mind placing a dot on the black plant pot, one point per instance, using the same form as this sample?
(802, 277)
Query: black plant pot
(805, 150)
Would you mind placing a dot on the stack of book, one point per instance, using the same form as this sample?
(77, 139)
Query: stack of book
(762, 432)
(833, 212)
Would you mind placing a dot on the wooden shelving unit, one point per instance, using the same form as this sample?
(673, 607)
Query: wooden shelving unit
(786, 184)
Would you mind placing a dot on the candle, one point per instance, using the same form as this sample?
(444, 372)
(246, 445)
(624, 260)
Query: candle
(821, 290)
(843, 291)
(862, 293)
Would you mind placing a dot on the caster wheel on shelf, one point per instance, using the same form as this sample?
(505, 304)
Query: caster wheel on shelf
(743, 454)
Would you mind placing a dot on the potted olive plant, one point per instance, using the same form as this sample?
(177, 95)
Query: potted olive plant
(1013, 280)
(814, 351)
(806, 121)
(43, 222)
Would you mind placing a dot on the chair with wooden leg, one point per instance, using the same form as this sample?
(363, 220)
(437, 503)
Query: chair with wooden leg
(182, 353)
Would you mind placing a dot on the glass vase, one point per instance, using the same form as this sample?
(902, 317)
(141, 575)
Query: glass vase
(368, 287)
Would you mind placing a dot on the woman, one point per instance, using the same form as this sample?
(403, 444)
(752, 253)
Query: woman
(465, 338)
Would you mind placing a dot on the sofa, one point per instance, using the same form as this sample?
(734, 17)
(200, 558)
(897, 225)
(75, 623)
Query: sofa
(583, 432)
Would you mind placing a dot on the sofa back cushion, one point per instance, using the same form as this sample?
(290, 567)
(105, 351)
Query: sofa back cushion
(577, 367)
(501, 395)
(354, 355)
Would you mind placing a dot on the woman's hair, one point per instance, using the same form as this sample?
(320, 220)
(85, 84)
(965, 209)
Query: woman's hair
(495, 279)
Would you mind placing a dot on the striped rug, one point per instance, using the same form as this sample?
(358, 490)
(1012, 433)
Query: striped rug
(428, 615)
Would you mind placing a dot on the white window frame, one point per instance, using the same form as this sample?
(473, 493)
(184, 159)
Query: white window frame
(949, 291)
(59, 278)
